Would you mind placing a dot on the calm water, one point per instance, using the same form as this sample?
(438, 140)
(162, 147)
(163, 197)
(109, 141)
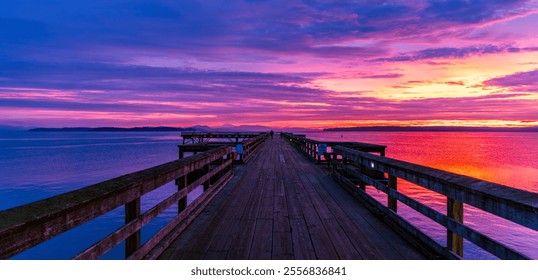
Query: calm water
(37, 165)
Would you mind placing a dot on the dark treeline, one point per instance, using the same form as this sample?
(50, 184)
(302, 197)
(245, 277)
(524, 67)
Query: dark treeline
(78, 129)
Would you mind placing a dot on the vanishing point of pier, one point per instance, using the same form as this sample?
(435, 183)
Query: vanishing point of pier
(281, 197)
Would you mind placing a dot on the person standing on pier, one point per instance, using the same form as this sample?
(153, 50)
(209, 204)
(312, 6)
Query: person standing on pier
(272, 133)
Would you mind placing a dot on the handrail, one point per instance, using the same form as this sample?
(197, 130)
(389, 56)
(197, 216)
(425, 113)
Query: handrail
(516, 205)
(246, 147)
(204, 137)
(251, 145)
(354, 167)
(317, 151)
(26, 226)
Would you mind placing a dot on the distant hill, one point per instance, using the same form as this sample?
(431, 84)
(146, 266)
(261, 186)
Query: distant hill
(435, 128)
(119, 129)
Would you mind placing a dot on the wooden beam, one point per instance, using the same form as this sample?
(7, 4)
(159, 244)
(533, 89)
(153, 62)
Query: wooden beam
(392, 201)
(132, 211)
(455, 211)
(207, 183)
(181, 184)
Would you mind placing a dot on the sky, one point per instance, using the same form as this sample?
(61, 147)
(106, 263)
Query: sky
(290, 63)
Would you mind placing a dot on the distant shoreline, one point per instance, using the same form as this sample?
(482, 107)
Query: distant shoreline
(112, 129)
(336, 129)
(432, 129)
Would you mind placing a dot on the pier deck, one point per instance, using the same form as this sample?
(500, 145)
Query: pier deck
(281, 206)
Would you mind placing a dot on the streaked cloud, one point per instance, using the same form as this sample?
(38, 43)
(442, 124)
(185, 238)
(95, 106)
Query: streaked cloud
(517, 82)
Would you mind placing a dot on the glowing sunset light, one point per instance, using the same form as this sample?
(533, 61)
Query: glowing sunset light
(312, 64)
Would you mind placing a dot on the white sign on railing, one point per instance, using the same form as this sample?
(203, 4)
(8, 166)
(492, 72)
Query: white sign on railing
(322, 148)
(239, 148)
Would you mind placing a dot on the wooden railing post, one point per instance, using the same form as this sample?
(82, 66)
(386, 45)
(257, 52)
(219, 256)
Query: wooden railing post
(392, 201)
(455, 211)
(221, 173)
(132, 211)
(181, 153)
(181, 184)
(362, 184)
(207, 183)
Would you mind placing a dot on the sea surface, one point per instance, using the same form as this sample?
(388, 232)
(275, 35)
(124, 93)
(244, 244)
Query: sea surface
(37, 165)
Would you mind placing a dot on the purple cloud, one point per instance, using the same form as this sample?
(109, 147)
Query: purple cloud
(384, 76)
(473, 11)
(518, 82)
(237, 29)
(453, 53)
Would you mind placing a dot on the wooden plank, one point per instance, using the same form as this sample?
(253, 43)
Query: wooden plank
(361, 227)
(320, 238)
(203, 238)
(313, 210)
(262, 242)
(343, 246)
(215, 255)
(322, 201)
(241, 244)
(229, 223)
(282, 241)
(301, 242)
(266, 207)
(354, 233)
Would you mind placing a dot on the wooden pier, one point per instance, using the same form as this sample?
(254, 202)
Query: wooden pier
(281, 206)
(284, 198)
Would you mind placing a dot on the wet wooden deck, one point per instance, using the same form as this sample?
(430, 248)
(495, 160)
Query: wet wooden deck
(281, 206)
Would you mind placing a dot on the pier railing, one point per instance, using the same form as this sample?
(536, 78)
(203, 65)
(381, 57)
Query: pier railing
(29, 225)
(204, 137)
(250, 146)
(244, 149)
(353, 169)
(320, 151)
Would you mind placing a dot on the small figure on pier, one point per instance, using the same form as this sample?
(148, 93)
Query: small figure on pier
(272, 133)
